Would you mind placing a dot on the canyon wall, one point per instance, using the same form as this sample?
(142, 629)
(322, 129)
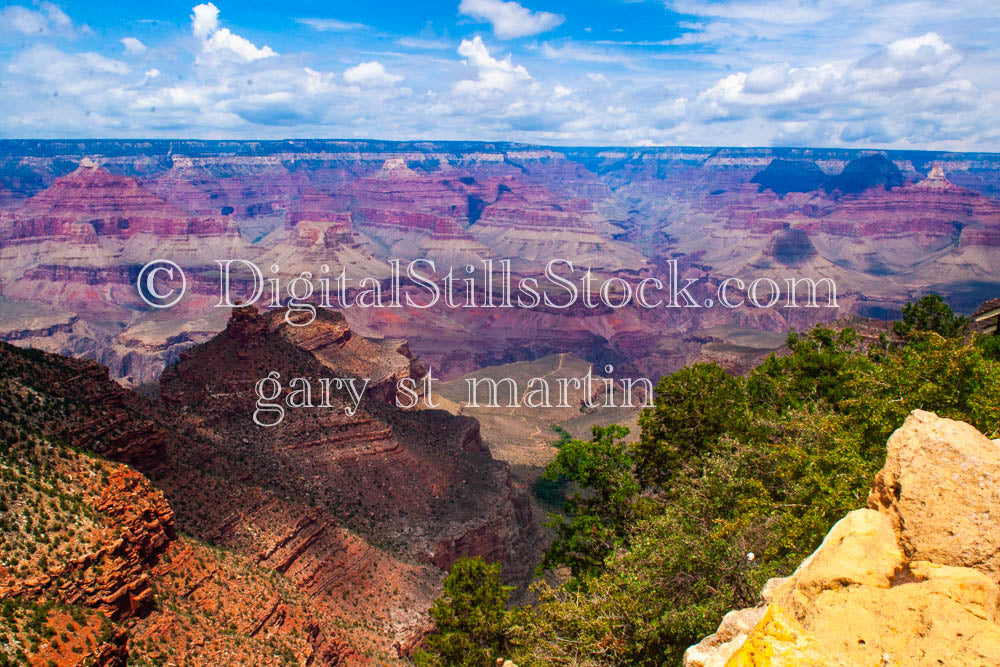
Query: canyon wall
(83, 217)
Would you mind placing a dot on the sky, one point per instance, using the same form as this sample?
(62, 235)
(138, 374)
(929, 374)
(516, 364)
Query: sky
(853, 73)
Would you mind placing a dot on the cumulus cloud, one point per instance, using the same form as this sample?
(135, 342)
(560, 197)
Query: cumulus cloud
(494, 76)
(133, 46)
(510, 19)
(204, 20)
(900, 67)
(224, 41)
(503, 99)
(370, 74)
(899, 92)
(221, 41)
(916, 61)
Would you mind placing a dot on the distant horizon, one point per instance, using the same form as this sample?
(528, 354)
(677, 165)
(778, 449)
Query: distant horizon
(555, 147)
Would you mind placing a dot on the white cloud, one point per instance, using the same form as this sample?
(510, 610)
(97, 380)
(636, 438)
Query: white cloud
(221, 41)
(331, 25)
(784, 12)
(510, 19)
(903, 92)
(901, 67)
(204, 20)
(767, 78)
(573, 52)
(48, 19)
(58, 73)
(424, 44)
(495, 76)
(21, 19)
(916, 61)
(370, 74)
(133, 46)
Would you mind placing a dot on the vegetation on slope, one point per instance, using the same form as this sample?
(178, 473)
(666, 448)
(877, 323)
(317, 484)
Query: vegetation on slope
(734, 480)
(90, 569)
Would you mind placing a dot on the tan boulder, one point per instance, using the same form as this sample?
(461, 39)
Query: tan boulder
(860, 550)
(940, 488)
(888, 587)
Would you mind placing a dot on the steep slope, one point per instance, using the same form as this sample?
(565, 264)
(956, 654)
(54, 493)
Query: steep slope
(94, 572)
(419, 481)
(360, 512)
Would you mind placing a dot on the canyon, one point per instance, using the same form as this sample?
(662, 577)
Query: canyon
(341, 525)
(79, 220)
(326, 540)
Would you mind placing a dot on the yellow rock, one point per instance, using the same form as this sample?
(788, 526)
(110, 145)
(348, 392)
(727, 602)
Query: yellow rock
(886, 588)
(860, 549)
(715, 650)
(936, 621)
(777, 639)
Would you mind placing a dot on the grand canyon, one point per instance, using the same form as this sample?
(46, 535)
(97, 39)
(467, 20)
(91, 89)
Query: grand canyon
(79, 219)
(185, 531)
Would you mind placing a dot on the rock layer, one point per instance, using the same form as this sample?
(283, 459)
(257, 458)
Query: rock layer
(82, 217)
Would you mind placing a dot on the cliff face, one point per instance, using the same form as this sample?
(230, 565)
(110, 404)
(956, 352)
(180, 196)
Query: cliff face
(912, 580)
(82, 218)
(359, 512)
(420, 481)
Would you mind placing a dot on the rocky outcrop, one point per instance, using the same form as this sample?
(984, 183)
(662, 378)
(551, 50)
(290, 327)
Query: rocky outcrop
(910, 581)
(940, 489)
(114, 577)
(420, 480)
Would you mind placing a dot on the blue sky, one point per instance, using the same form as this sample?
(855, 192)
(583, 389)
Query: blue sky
(909, 74)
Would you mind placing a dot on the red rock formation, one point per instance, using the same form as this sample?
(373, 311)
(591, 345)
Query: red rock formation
(113, 578)
(91, 202)
(414, 478)
(354, 205)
